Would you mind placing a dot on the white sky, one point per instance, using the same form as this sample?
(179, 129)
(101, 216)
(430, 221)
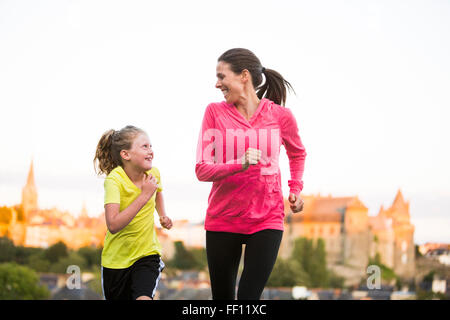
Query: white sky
(372, 80)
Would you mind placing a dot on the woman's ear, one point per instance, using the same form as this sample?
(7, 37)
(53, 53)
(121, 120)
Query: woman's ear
(245, 75)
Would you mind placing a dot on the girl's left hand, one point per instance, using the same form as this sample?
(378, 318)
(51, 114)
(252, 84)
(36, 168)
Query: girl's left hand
(296, 203)
(165, 222)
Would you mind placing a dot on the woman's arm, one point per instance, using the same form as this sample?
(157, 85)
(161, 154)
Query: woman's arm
(214, 172)
(295, 151)
(207, 168)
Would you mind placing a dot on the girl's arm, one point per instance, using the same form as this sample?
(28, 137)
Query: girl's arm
(206, 168)
(160, 205)
(115, 220)
(165, 221)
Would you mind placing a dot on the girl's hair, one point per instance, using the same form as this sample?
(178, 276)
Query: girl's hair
(107, 155)
(274, 88)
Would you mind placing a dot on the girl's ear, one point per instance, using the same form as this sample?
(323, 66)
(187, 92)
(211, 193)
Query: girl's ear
(125, 155)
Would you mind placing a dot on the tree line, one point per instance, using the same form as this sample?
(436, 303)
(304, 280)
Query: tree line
(20, 267)
(306, 266)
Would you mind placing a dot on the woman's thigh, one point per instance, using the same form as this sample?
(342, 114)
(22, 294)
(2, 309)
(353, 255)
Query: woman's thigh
(223, 251)
(261, 252)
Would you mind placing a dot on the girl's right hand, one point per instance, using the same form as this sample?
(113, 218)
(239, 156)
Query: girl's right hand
(149, 185)
(251, 157)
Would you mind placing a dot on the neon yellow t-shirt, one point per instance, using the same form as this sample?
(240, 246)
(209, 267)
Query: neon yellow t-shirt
(138, 239)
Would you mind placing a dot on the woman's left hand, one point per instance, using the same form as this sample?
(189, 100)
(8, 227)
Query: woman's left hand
(296, 203)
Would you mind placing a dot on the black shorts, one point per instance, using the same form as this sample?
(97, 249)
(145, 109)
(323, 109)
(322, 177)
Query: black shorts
(140, 279)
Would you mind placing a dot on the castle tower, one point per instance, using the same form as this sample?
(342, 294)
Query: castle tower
(395, 233)
(404, 251)
(29, 194)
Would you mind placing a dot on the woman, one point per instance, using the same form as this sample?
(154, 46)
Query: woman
(238, 151)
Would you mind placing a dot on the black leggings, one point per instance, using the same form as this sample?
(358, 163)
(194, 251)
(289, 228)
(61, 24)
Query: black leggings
(224, 249)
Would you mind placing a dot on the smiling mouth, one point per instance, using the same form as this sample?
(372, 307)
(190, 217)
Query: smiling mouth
(149, 158)
(225, 92)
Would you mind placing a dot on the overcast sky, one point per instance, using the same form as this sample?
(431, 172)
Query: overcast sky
(372, 83)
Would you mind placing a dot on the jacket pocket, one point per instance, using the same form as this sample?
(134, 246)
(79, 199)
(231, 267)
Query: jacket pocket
(267, 200)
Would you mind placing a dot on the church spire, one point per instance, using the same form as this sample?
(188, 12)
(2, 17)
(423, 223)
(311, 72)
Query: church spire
(400, 208)
(29, 194)
(30, 179)
(398, 198)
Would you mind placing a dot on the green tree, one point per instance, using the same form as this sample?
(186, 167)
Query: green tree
(303, 253)
(183, 259)
(387, 273)
(288, 273)
(20, 283)
(318, 266)
(7, 250)
(56, 251)
(311, 256)
(74, 258)
(199, 255)
(335, 281)
(91, 255)
(38, 262)
(23, 254)
(96, 283)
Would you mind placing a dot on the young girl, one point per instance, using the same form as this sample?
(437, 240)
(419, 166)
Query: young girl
(131, 257)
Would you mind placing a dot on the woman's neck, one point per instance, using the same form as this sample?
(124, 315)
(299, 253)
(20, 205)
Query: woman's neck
(247, 104)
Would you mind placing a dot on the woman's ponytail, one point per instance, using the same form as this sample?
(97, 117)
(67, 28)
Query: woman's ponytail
(274, 88)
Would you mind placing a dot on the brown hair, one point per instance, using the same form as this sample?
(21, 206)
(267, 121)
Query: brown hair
(274, 88)
(107, 155)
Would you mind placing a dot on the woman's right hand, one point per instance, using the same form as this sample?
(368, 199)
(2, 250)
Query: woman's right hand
(251, 157)
(149, 185)
(296, 203)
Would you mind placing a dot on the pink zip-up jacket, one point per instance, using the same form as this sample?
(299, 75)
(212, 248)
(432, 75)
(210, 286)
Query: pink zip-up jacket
(247, 201)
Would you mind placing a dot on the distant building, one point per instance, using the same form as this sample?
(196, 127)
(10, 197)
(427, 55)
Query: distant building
(27, 225)
(441, 255)
(430, 246)
(191, 234)
(351, 236)
(436, 251)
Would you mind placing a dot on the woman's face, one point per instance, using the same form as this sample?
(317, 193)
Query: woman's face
(231, 84)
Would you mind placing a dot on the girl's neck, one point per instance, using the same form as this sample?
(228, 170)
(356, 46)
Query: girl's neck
(135, 174)
(247, 104)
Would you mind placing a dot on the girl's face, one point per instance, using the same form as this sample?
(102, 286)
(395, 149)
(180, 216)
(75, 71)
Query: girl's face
(231, 84)
(141, 154)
